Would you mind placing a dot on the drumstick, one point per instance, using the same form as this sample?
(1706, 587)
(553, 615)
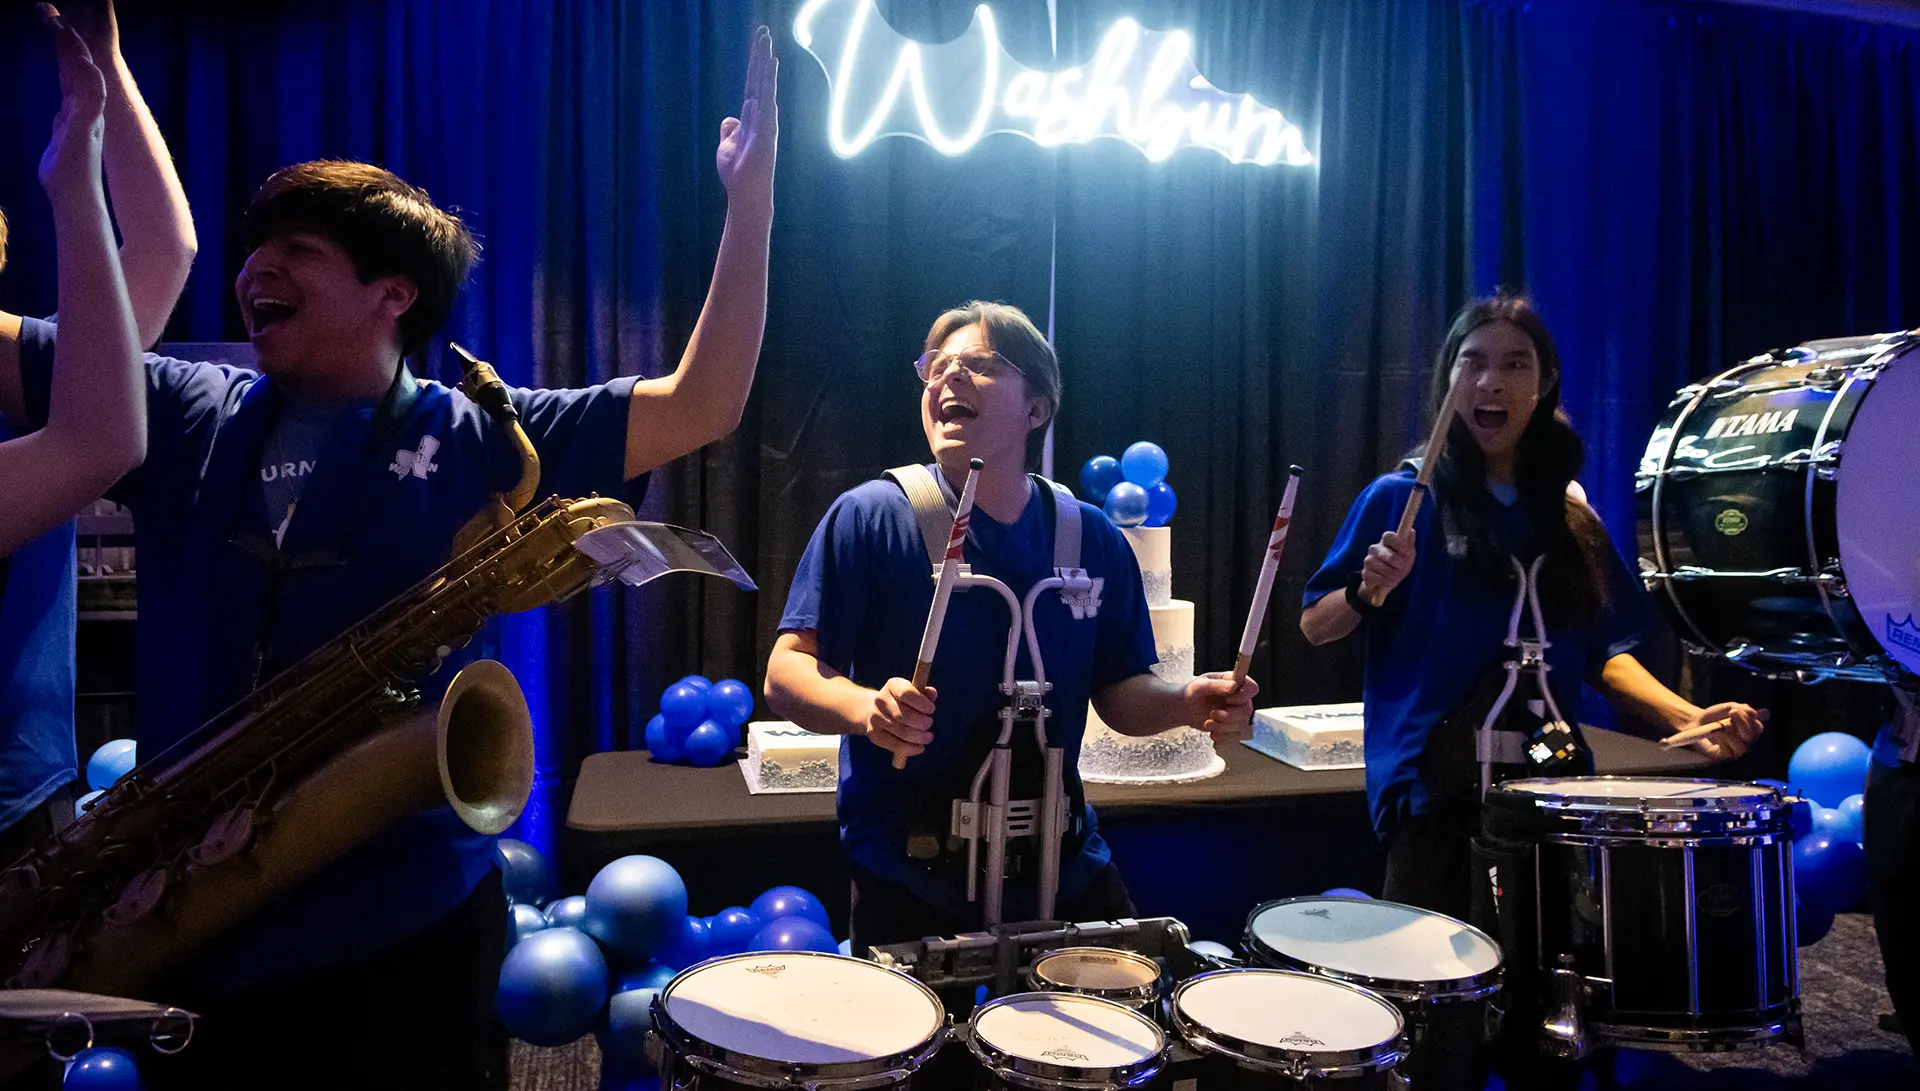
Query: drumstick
(943, 591)
(1423, 480)
(1263, 588)
(1681, 738)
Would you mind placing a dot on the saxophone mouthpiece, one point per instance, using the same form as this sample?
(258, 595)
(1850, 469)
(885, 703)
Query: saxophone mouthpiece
(481, 383)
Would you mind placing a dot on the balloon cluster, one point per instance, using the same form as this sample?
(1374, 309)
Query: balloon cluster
(1829, 864)
(101, 1068)
(699, 721)
(109, 763)
(1131, 489)
(593, 963)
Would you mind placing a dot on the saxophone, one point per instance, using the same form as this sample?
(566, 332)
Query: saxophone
(318, 759)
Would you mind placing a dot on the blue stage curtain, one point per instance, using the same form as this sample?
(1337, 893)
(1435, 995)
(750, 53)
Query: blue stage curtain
(1679, 183)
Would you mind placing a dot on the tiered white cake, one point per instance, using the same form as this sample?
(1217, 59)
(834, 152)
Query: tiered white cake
(785, 757)
(1312, 736)
(1182, 754)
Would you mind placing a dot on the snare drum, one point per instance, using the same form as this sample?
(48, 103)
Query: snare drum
(1282, 1029)
(1443, 974)
(1770, 526)
(1664, 917)
(1050, 1041)
(1127, 978)
(796, 1019)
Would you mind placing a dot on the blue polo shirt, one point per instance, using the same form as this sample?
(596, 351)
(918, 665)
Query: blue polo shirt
(377, 513)
(36, 666)
(1428, 645)
(864, 586)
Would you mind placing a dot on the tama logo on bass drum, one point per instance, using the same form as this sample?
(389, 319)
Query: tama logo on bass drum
(1752, 424)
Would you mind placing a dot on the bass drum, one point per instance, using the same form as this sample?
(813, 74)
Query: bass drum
(1780, 511)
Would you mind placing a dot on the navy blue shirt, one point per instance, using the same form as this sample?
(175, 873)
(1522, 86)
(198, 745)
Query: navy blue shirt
(1428, 644)
(377, 513)
(864, 586)
(36, 661)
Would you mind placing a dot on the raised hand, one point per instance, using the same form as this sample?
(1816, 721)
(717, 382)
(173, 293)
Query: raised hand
(99, 27)
(1387, 564)
(748, 143)
(72, 159)
(1220, 707)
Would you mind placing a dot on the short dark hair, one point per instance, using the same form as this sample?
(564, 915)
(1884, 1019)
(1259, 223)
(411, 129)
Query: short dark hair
(386, 226)
(1013, 335)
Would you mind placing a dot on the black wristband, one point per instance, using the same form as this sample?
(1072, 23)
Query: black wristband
(1356, 601)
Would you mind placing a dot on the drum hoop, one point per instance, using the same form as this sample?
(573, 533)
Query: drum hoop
(1126, 996)
(1772, 801)
(1297, 1063)
(758, 1071)
(1032, 1072)
(1471, 987)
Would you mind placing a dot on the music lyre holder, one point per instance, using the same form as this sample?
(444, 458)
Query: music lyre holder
(39, 1023)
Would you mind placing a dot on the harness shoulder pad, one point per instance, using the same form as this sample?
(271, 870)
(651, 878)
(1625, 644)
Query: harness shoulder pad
(930, 507)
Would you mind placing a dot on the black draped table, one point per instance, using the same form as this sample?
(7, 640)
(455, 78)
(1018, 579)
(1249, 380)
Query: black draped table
(1205, 852)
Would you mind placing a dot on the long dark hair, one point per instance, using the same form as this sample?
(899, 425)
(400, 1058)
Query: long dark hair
(1573, 586)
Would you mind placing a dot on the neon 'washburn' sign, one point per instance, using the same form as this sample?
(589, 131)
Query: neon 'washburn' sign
(1141, 87)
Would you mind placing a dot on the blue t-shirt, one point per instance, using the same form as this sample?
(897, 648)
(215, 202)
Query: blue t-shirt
(1428, 644)
(378, 513)
(864, 585)
(37, 614)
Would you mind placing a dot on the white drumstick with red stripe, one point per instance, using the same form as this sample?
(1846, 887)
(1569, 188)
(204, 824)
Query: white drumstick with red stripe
(1263, 589)
(943, 590)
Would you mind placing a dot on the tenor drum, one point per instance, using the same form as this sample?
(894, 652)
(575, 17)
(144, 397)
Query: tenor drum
(1664, 912)
(1048, 1041)
(1127, 978)
(1443, 974)
(1777, 513)
(1270, 1029)
(796, 1019)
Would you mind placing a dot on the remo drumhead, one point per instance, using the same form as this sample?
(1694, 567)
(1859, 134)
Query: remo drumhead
(1875, 510)
(1051, 1040)
(799, 1007)
(1288, 1021)
(1385, 946)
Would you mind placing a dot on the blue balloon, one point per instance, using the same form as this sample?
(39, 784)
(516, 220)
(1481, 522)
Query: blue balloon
(109, 763)
(733, 928)
(1829, 821)
(102, 1068)
(664, 742)
(1829, 873)
(729, 703)
(794, 934)
(1811, 924)
(846, 947)
(80, 805)
(567, 912)
(526, 920)
(552, 987)
(790, 901)
(1144, 464)
(1127, 504)
(690, 945)
(623, 1042)
(711, 743)
(1853, 813)
(653, 975)
(635, 905)
(1160, 504)
(1210, 949)
(1346, 892)
(683, 704)
(1830, 767)
(1102, 472)
(527, 877)
(1800, 817)
(699, 680)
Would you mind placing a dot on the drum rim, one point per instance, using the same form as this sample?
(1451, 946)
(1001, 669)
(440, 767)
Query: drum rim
(765, 1071)
(1471, 987)
(1031, 1072)
(1774, 798)
(1145, 993)
(1297, 1063)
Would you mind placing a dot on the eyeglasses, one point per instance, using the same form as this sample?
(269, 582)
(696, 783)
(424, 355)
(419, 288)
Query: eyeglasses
(932, 367)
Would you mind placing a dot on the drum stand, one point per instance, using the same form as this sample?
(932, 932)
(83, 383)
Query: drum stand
(987, 818)
(1493, 746)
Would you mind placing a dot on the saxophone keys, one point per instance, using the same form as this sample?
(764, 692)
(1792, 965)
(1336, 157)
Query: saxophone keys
(46, 963)
(227, 837)
(138, 898)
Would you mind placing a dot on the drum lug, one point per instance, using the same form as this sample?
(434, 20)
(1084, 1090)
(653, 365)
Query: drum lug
(1564, 1031)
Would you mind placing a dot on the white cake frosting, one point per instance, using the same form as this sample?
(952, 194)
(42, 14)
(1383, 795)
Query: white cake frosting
(1182, 754)
(1312, 736)
(784, 757)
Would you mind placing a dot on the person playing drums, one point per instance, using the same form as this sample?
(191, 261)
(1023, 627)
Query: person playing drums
(1440, 604)
(854, 618)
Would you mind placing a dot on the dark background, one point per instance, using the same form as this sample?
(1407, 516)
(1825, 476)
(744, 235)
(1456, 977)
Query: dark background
(1679, 184)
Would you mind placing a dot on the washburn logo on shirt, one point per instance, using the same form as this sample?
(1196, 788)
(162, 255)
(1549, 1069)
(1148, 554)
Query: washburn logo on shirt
(273, 471)
(1903, 634)
(418, 462)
